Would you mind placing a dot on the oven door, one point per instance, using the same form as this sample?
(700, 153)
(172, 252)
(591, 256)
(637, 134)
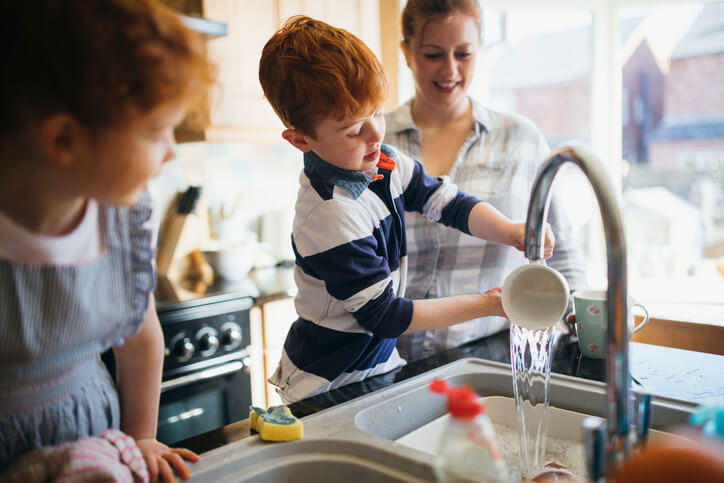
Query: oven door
(203, 400)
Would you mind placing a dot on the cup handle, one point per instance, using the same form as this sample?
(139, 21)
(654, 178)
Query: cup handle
(643, 322)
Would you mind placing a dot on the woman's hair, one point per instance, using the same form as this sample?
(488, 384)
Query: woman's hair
(310, 70)
(418, 12)
(97, 60)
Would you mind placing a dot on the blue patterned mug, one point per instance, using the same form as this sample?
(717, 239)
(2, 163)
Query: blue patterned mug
(590, 308)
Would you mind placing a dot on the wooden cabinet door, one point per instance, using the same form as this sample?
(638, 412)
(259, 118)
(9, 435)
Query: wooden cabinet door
(237, 108)
(237, 105)
(360, 17)
(277, 318)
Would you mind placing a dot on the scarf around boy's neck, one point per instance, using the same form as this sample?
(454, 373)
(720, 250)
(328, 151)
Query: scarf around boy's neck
(355, 182)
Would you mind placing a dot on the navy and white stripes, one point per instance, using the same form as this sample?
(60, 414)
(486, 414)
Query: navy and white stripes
(351, 265)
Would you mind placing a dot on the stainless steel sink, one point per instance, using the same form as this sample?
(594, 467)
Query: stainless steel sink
(357, 440)
(309, 460)
(393, 416)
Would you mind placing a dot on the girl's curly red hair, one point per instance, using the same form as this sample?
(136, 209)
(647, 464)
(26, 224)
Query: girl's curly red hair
(98, 60)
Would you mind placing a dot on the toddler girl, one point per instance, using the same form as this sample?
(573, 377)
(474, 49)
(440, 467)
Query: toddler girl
(91, 92)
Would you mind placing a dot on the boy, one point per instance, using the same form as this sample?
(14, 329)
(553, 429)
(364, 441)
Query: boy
(349, 230)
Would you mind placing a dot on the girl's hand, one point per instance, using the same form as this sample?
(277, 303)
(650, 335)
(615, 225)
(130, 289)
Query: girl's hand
(518, 239)
(162, 460)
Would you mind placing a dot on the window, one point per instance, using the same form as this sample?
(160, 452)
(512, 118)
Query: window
(673, 154)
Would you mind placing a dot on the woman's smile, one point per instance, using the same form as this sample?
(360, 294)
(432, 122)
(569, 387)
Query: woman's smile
(446, 87)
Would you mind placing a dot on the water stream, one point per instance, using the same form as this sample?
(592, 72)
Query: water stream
(530, 354)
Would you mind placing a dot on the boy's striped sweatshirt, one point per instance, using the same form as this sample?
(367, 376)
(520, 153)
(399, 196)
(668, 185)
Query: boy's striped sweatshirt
(351, 263)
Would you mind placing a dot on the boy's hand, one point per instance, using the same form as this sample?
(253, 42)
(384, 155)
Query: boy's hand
(518, 239)
(495, 302)
(162, 460)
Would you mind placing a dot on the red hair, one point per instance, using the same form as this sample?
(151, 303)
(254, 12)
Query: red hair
(310, 70)
(98, 60)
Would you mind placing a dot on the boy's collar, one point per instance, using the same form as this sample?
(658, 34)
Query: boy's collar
(354, 182)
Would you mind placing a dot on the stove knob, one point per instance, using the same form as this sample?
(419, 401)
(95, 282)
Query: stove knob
(207, 341)
(183, 349)
(230, 336)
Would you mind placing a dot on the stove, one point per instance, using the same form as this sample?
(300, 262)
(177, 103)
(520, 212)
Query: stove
(206, 375)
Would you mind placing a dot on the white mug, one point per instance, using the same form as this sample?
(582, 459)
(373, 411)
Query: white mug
(535, 296)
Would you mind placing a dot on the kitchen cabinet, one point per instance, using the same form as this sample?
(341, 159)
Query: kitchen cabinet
(256, 352)
(236, 109)
(270, 322)
(360, 17)
(276, 318)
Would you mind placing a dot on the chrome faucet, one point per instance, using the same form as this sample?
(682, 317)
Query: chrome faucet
(605, 447)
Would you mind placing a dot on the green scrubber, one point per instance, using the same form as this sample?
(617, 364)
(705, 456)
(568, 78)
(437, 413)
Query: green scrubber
(275, 424)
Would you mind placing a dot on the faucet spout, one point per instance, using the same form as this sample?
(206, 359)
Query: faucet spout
(618, 407)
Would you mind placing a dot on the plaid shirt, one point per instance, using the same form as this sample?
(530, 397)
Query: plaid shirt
(497, 163)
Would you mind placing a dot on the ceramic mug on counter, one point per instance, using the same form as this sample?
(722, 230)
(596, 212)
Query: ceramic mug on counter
(591, 320)
(232, 259)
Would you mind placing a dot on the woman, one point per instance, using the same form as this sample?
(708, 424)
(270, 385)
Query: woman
(491, 155)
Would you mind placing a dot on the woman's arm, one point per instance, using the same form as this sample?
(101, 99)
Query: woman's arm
(139, 363)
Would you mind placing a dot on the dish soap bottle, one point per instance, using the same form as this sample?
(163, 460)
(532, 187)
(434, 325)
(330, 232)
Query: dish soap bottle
(468, 449)
(711, 418)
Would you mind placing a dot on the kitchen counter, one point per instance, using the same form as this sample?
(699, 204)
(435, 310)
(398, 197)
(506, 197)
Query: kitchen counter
(264, 284)
(682, 374)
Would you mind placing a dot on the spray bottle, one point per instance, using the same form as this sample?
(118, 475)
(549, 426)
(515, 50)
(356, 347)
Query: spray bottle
(468, 449)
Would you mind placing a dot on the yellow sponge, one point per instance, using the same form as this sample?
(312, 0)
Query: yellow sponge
(275, 424)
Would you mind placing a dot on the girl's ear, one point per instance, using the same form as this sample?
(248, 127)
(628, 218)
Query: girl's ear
(297, 139)
(61, 136)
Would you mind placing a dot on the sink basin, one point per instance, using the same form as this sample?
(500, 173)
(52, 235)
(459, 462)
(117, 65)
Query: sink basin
(378, 437)
(311, 461)
(564, 442)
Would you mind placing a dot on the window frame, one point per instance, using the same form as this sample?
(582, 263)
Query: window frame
(606, 70)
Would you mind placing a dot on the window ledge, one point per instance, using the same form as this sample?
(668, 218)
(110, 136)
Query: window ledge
(695, 313)
(696, 327)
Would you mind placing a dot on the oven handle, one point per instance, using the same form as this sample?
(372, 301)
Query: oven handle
(206, 374)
